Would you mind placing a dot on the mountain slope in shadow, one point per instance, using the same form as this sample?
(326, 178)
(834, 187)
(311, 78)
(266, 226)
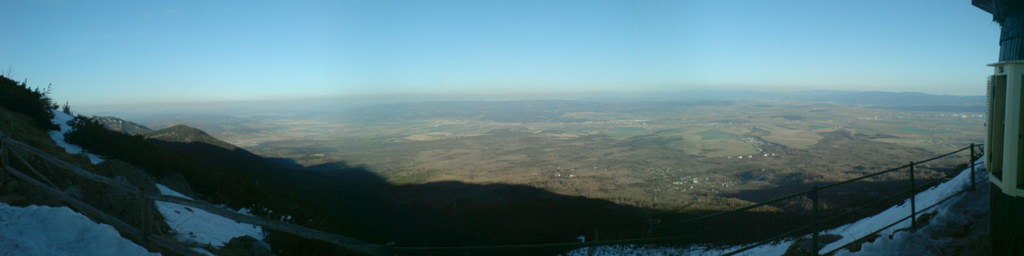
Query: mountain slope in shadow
(456, 213)
(354, 201)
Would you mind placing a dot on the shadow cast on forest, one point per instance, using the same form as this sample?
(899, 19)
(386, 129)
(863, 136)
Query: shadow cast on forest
(360, 203)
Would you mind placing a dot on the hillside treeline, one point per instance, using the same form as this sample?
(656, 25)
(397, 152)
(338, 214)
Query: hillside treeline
(267, 190)
(33, 102)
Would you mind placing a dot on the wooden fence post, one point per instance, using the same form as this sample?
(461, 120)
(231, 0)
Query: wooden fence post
(913, 197)
(3, 161)
(815, 243)
(144, 222)
(29, 167)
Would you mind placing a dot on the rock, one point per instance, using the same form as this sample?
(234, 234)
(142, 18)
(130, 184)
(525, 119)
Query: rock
(17, 193)
(8, 193)
(74, 191)
(133, 175)
(177, 183)
(245, 246)
(803, 246)
(128, 207)
(856, 246)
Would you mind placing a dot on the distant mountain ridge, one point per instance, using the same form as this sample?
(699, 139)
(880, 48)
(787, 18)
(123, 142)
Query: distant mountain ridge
(867, 98)
(186, 134)
(121, 125)
(879, 98)
(227, 112)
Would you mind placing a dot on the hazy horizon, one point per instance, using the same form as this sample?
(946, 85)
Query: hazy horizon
(117, 52)
(340, 103)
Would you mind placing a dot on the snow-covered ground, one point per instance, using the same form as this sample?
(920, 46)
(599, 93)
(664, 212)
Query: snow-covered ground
(849, 232)
(62, 119)
(190, 225)
(777, 248)
(44, 231)
(951, 231)
(199, 226)
(924, 199)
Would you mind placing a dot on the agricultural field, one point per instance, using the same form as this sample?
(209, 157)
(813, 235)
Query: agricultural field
(671, 155)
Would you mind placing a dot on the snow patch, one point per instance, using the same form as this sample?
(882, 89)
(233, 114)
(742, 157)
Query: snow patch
(62, 119)
(935, 238)
(863, 227)
(202, 251)
(777, 248)
(44, 230)
(199, 226)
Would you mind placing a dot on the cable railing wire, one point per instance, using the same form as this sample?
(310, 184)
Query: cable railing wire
(737, 210)
(943, 155)
(570, 245)
(899, 221)
(770, 239)
(864, 177)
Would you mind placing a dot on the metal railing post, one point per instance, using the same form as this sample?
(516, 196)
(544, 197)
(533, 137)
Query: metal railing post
(817, 208)
(913, 197)
(973, 186)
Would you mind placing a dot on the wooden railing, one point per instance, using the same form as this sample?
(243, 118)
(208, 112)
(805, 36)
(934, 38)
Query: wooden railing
(11, 149)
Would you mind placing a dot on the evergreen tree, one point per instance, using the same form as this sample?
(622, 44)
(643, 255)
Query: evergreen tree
(67, 108)
(34, 102)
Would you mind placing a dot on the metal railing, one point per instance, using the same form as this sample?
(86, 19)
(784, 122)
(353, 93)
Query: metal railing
(914, 189)
(814, 194)
(814, 227)
(10, 147)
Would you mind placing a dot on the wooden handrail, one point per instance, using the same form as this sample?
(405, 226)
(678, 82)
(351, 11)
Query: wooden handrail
(98, 214)
(304, 232)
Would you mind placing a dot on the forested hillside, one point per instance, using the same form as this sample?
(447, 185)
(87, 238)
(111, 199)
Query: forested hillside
(336, 198)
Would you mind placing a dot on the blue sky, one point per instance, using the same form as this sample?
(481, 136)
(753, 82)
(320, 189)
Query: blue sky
(126, 52)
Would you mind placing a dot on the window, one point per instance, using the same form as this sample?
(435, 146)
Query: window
(1020, 145)
(996, 115)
